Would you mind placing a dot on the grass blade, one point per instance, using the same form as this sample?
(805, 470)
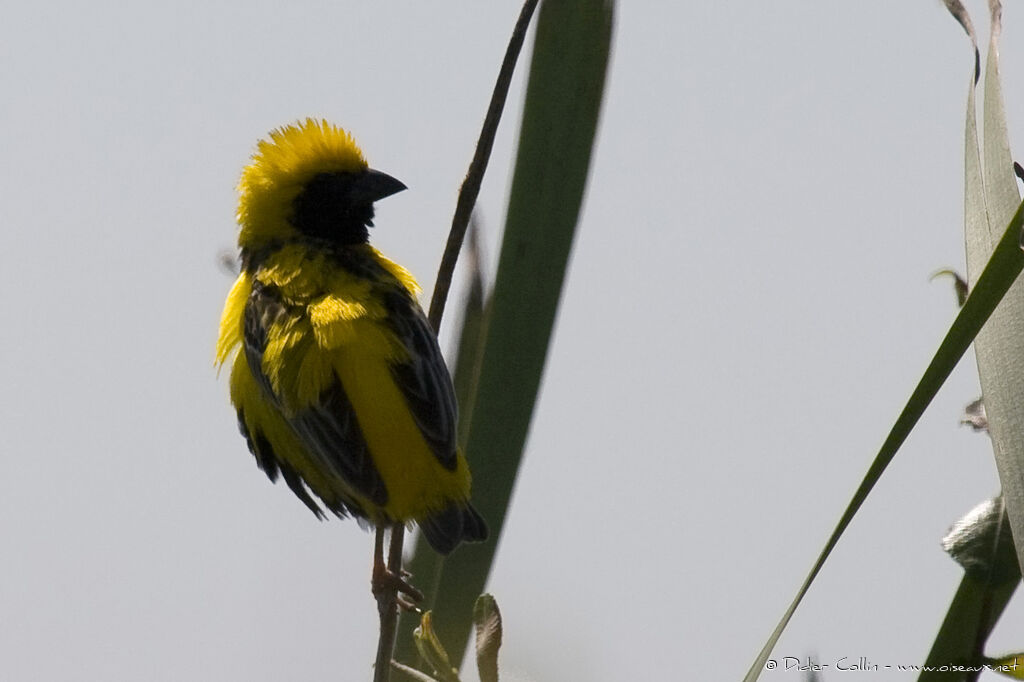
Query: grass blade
(990, 196)
(425, 564)
(560, 115)
(976, 607)
(998, 345)
(1002, 270)
(981, 543)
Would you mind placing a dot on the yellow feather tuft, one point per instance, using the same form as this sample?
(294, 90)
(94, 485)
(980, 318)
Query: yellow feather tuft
(280, 167)
(330, 309)
(231, 319)
(397, 271)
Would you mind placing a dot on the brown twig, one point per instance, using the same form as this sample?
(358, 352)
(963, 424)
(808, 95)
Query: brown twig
(474, 176)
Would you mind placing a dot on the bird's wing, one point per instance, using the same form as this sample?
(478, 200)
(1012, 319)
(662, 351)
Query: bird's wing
(327, 425)
(423, 377)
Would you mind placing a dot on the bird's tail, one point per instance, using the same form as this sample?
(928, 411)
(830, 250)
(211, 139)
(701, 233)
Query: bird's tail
(455, 523)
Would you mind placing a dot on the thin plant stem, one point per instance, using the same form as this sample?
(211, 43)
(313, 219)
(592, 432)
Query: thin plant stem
(470, 189)
(413, 673)
(387, 602)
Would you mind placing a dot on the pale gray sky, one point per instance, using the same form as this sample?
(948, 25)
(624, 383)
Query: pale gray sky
(747, 309)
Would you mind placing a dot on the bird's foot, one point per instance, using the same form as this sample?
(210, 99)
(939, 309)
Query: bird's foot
(383, 581)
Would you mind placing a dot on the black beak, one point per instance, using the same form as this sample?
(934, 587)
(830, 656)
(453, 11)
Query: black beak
(373, 185)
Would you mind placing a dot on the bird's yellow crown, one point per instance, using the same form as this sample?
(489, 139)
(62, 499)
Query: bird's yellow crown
(280, 168)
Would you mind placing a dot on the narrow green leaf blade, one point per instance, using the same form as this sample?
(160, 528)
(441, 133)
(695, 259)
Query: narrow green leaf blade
(1005, 265)
(560, 116)
(425, 564)
(432, 651)
(977, 604)
(1000, 272)
(981, 543)
(1001, 193)
(975, 607)
(471, 339)
(997, 347)
(975, 216)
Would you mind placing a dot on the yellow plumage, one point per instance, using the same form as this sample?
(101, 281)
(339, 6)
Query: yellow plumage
(336, 377)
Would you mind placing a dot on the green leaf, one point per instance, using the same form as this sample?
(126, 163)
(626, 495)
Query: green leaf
(990, 203)
(999, 274)
(981, 543)
(432, 651)
(563, 98)
(425, 564)
(471, 338)
(487, 619)
(1003, 262)
(974, 611)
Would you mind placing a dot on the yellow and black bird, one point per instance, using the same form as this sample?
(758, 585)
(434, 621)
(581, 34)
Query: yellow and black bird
(337, 378)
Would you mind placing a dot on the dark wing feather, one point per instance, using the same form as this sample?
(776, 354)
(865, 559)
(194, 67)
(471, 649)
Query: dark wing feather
(329, 428)
(272, 465)
(424, 378)
(455, 523)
